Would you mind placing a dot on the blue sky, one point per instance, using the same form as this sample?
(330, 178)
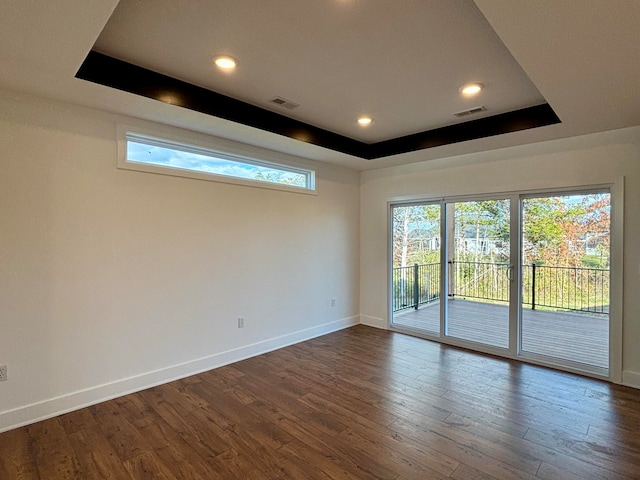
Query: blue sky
(154, 155)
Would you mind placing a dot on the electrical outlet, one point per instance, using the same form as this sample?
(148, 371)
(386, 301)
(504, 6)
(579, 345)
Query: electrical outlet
(240, 322)
(333, 302)
(3, 373)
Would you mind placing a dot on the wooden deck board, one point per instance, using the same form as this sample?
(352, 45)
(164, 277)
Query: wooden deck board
(577, 337)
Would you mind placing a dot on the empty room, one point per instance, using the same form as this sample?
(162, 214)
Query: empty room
(319, 239)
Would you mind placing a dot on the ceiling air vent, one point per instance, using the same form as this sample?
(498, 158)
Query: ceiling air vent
(283, 102)
(471, 111)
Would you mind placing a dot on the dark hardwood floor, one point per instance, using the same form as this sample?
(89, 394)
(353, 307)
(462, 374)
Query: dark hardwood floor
(357, 404)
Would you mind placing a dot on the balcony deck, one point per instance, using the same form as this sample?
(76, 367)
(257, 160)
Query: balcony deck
(570, 336)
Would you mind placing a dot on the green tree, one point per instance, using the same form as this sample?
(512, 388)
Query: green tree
(282, 178)
(414, 228)
(483, 221)
(557, 229)
(542, 228)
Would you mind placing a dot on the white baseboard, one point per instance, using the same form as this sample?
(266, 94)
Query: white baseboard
(631, 379)
(53, 407)
(373, 321)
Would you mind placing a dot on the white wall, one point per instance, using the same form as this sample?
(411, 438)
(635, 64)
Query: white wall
(590, 160)
(113, 280)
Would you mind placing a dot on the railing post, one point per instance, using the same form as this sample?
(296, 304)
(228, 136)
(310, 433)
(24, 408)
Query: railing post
(416, 286)
(533, 286)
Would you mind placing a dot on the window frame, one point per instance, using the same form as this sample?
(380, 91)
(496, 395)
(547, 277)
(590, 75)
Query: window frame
(218, 148)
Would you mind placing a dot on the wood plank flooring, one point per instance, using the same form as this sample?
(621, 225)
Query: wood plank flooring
(571, 336)
(361, 403)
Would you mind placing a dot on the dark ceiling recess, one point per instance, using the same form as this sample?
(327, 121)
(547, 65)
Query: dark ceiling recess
(109, 71)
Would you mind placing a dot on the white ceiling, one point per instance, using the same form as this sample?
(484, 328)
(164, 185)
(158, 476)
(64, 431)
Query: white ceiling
(401, 62)
(338, 59)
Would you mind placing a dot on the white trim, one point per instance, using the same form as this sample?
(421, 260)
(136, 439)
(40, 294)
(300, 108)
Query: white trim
(631, 378)
(515, 261)
(389, 274)
(215, 147)
(373, 322)
(52, 407)
(616, 279)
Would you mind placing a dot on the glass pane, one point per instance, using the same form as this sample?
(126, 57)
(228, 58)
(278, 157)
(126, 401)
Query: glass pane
(478, 271)
(183, 159)
(416, 267)
(565, 277)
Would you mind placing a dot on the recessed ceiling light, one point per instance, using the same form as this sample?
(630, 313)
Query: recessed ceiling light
(225, 62)
(471, 89)
(365, 121)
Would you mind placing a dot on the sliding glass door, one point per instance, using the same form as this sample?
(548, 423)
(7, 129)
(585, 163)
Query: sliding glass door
(478, 271)
(565, 278)
(416, 266)
(524, 275)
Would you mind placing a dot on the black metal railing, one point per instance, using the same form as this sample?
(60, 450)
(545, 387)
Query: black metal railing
(480, 280)
(563, 288)
(415, 285)
(566, 288)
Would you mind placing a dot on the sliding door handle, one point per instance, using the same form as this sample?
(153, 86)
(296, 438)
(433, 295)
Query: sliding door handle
(510, 273)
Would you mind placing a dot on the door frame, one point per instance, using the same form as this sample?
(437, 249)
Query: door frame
(616, 190)
(444, 267)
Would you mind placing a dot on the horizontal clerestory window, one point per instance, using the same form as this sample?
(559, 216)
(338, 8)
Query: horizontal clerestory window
(157, 155)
